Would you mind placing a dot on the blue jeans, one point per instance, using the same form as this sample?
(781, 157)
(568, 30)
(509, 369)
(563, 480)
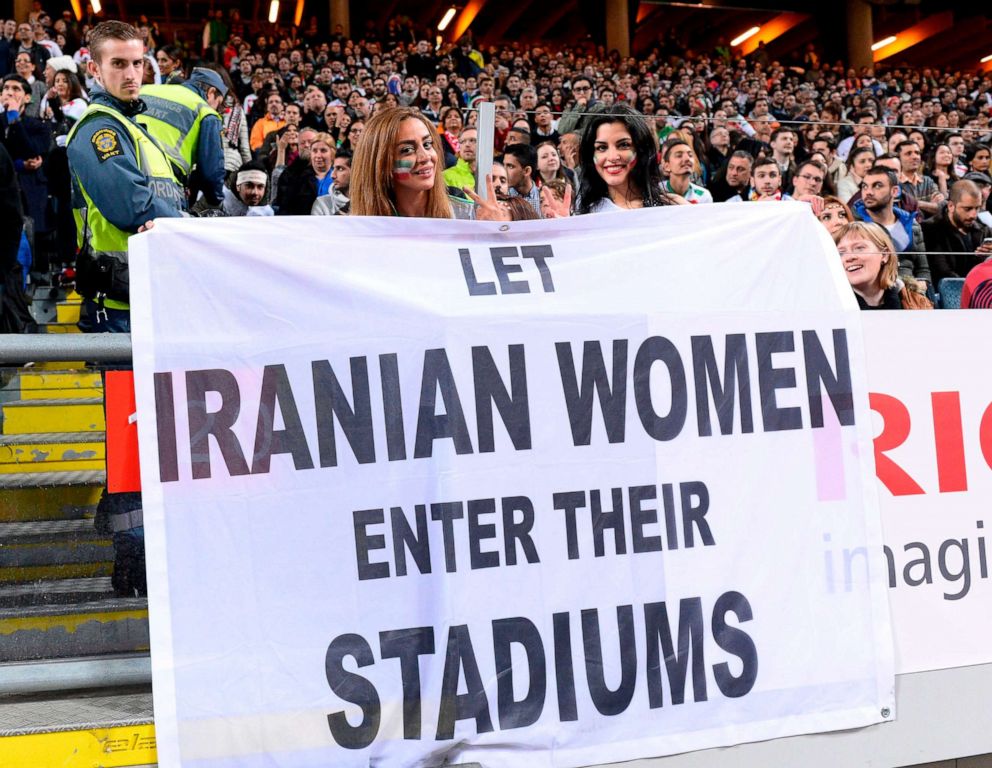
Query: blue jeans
(92, 319)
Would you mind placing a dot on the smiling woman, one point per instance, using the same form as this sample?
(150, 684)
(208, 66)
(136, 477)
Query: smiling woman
(871, 265)
(620, 146)
(397, 171)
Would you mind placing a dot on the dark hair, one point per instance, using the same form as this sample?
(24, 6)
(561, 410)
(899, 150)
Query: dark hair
(763, 161)
(14, 77)
(884, 170)
(75, 87)
(824, 136)
(344, 153)
(174, 52)
(253, 165)
(906, 143)
(779, 131)
(854, 155)
(974, 148)
(646, 173)
(525, 154)
(670, 144)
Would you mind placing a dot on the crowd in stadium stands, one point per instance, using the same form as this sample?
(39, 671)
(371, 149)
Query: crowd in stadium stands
(894, 162)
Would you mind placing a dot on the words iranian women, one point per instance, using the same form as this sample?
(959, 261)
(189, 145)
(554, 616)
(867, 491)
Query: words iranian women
(595, 383)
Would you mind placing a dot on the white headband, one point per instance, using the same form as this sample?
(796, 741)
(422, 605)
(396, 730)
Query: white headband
(258, 177)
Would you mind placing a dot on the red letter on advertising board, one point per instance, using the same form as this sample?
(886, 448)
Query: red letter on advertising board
(952, 473)
(895, 430)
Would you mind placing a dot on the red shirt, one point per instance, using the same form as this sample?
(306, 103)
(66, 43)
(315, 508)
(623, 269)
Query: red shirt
(977, 291)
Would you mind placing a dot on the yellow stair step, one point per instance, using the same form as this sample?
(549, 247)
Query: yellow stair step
(52, 452)
(53, 415)
(63, 384)
(61, 328)
(67, 312)
(57, 365)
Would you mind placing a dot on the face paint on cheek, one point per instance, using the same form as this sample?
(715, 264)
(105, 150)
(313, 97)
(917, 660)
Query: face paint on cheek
(402, 169)
(632, 158)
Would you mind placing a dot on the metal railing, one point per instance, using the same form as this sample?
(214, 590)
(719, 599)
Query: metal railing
(17, 353)
(63, 347)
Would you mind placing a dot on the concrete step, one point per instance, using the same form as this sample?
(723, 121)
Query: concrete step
(23, 502)
(35, 574)
(22, 417)
(40, 452)
(56, 592)
(74, 673)
(96, 627)
(53, 549)
(111, 729)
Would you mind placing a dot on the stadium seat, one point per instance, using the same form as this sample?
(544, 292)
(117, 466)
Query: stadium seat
(950, 292)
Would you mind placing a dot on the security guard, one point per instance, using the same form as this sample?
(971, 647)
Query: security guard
(122, 181)
(121, 178)
(183, 119)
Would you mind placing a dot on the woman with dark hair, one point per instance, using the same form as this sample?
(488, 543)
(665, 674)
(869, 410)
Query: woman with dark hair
(940, 165)
(170, 64)
(449, 129)
(858, 163)
(352, 136)
(979, 156)
(453, 97)
(66, 101)
(619, 159)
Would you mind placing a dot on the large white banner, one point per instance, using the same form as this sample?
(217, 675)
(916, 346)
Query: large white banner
(929, 378)
(542, 493)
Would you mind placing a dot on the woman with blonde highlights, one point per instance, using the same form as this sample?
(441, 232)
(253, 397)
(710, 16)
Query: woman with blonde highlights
(397, 167)
(872, 267)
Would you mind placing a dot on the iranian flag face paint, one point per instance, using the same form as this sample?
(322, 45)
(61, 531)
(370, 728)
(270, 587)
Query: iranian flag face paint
(402, 169)
(626, 158)
(614, 153)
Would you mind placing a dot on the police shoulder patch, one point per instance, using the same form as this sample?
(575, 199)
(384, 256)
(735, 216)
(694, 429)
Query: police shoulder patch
(106, 144)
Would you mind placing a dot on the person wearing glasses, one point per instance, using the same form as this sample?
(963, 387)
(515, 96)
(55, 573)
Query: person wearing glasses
(809, 179)
(576, 116)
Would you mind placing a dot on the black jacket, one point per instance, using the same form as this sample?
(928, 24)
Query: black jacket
(297, 189)
(941, 235)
